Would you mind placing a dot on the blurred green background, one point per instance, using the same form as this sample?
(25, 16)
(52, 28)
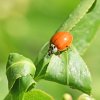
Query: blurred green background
(25, 25)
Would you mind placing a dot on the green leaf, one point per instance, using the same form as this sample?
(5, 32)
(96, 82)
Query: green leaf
(18, 66)
(83, 25)
(86, 29)
(20, 73)
(3, 82)
(92, 7)
(76, 15)
(21, 86)
(42, 62)
(37, 94)
(69, 69)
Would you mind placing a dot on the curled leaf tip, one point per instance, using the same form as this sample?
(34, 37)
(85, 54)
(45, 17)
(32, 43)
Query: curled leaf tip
(18, 66)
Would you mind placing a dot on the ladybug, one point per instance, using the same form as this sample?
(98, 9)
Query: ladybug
(60, 42)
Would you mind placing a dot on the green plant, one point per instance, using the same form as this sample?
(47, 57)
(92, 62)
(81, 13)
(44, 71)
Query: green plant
(68, 69)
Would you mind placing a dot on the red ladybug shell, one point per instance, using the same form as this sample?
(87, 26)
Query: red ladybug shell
(62, 40)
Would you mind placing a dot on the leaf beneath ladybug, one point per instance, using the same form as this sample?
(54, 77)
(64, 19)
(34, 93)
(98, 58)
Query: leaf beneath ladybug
(69, 69)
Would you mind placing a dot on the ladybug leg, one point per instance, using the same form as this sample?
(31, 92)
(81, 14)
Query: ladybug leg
(67, 47)
(59, 52)
(50, 50)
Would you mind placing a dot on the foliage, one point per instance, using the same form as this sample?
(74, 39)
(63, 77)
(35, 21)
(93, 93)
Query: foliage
(68, 68)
